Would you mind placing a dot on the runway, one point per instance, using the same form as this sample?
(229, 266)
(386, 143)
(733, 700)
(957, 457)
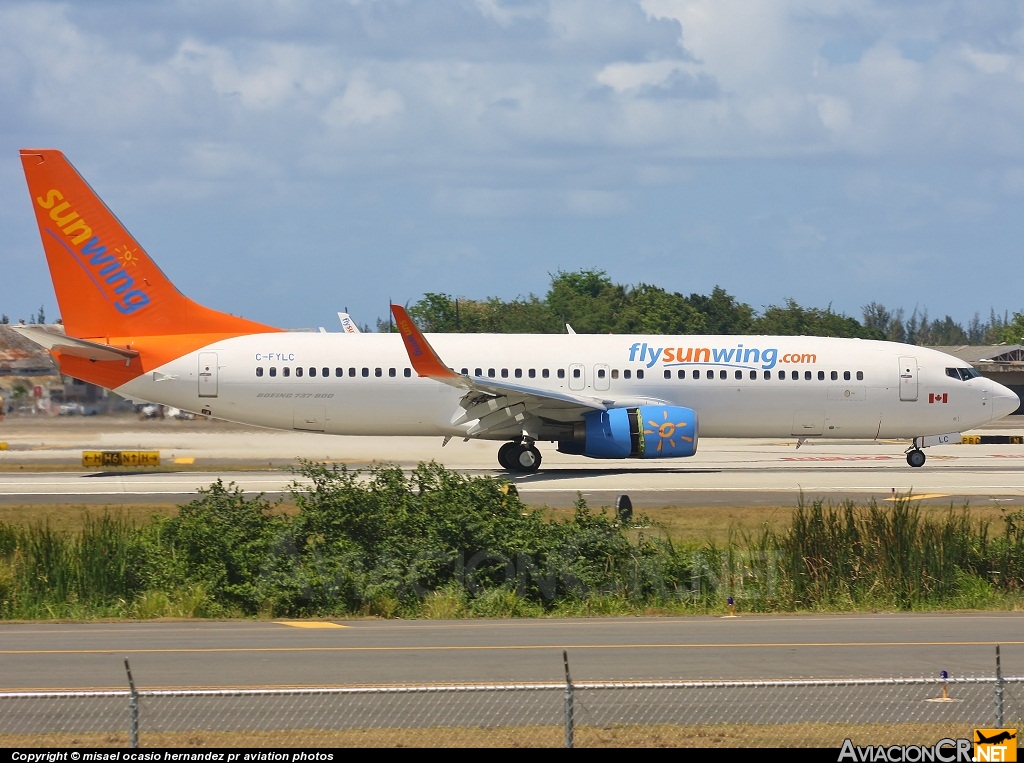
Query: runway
(42, 464)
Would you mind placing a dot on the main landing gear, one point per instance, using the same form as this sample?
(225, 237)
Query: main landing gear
(519, 456)
(915, 456)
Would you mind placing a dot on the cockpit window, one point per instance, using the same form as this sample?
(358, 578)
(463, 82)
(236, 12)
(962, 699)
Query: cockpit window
(963, 374)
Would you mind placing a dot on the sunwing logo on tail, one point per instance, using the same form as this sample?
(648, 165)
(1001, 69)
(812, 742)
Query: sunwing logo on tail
(108, 271)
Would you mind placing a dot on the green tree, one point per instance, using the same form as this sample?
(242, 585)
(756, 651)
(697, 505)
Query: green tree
(652, 310)
(793, 320)
(722, 313)
(1013, 332)
(585, 299)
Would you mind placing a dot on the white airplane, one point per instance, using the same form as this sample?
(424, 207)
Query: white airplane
(603, 396)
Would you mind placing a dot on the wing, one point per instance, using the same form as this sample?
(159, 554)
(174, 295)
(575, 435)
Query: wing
(497, 407)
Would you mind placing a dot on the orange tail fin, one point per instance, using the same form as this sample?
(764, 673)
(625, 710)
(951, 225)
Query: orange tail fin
(106, 284)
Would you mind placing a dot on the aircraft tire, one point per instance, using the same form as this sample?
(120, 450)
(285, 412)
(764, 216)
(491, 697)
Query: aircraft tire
(916, 458)
(528, 459)
(505, 455)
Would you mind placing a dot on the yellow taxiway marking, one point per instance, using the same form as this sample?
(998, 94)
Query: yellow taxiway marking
(309, 624)
(916, 496)
(185, 460)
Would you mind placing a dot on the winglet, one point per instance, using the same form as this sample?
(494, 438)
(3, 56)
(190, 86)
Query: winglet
(422, 356)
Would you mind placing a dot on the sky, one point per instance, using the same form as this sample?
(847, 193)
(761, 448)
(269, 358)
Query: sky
(287, 159)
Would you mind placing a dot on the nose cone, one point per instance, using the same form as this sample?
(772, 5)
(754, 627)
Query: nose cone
(1004, 402)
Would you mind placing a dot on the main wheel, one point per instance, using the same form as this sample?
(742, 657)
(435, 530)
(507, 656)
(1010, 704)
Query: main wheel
(505, 455)
(527, 458)
(915, 458)
(519, 457)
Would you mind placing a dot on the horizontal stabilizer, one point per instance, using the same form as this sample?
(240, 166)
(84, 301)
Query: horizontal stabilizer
(78, 348)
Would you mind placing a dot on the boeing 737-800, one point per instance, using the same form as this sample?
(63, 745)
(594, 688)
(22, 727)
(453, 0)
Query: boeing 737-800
(127, 328)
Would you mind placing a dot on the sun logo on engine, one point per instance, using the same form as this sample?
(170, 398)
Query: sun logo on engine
(666, 431)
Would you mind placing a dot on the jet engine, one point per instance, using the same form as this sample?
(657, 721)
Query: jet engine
(648, 431)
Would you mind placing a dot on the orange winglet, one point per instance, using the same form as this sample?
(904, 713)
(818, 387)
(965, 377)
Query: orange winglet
(422, 356)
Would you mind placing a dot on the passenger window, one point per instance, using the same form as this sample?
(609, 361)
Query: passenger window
(835, 375)
(325, 371)
(312, 372)
(286, 371)
(479, 372)
(738, 374)
(846, 375)
(532, 373)
(392, 373)
(545, 373)
(794, 375)
(504, 373)
(576, 373)
(807, 375)
(561, 373)
(366, 372)
(519, 373)
(711, 374)
(490, 372)
(681, 373)
(821, 376)
(378, 372)
(753, 374)
(339, 371)
(615, 373)
(627, 374)
(298, 371)
(408, 372)
(696, 374)
(259, 371)
(860, 376)
(723, 374)
(351, 372)
(767, 374)
(668, 374)
(273, 371)
(640, 374)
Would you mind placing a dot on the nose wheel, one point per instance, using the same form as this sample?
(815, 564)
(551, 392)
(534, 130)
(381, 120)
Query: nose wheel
(915, 457)
(521, 457)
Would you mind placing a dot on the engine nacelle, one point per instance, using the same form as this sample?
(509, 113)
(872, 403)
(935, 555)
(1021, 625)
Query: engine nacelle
(649, 431)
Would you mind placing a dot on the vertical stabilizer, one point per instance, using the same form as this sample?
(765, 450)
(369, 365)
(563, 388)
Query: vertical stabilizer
(106, 284)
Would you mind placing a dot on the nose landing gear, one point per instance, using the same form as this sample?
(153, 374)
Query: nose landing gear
(915, 457)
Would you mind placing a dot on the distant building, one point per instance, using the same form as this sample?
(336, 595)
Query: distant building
(31, 382)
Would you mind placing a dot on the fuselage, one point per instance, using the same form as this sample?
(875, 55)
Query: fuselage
(739, 386)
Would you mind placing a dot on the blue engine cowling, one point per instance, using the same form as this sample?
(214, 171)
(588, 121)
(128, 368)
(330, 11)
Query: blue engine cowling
(649, 431)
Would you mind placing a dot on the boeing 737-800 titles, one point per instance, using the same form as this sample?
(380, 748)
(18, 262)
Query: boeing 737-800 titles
(127, 328)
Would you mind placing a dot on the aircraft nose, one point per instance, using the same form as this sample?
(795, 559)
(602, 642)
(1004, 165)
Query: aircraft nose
(1004, 402)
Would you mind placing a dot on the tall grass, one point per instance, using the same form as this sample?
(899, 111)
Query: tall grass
(436, 544)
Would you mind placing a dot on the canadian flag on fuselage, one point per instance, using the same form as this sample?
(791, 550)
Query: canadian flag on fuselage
(933, 398)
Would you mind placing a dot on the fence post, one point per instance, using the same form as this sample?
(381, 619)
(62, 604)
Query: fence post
(569, 724)
(133, 709)
(1000, 683)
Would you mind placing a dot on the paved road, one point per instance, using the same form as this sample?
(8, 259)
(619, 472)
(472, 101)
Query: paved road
(262, 654)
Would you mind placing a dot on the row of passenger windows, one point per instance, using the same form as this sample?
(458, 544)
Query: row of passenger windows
(338, 372)
(532, 373)
(738, 374)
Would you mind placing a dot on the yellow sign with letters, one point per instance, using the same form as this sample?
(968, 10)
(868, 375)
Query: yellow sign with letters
(120, 458)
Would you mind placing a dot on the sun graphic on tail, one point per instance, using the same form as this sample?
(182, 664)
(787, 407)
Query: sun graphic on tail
(667, 431)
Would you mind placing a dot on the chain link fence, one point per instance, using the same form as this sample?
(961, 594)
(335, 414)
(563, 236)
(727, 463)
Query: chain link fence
(786, 713)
